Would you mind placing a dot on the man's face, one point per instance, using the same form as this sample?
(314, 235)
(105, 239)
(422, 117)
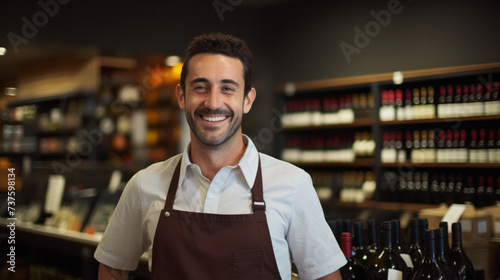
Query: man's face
(214, 99)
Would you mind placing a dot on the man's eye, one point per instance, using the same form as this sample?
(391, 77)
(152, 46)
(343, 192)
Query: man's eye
(227, 89)
(200, 88)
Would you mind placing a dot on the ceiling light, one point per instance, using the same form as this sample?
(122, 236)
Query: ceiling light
(2, 51)
(172, 60)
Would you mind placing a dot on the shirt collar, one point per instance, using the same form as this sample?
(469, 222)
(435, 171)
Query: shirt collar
(248, 163)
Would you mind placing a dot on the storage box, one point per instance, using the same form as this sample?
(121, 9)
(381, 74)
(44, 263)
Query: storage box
(477, 226)
(494, 211)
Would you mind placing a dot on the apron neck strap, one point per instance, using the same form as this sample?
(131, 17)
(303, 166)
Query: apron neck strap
(258, 203)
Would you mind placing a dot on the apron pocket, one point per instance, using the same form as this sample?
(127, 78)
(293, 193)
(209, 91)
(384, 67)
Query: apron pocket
(248, 264)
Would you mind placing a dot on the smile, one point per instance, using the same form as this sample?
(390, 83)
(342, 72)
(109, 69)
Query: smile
(214, 119)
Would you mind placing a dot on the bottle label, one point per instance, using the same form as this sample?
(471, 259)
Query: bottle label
(394, 274)
(407, 260)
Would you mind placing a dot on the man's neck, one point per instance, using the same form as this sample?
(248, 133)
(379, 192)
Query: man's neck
(212, 159)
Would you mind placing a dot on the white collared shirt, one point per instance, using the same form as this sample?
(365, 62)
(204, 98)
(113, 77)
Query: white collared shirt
(294, 215)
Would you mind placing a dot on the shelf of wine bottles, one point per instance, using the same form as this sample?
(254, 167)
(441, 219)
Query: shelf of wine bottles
(441, 101)
(438, 125)
(442, 146)
(323, 110)
(348, 185)
(435, 187)
(328, 147)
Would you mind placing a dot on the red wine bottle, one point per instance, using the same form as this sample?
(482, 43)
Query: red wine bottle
(430, 267)
(353, 269)
(387, 264)
(459, 260)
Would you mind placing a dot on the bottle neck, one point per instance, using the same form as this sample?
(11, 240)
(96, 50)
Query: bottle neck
(430, 246)
(372, 234)
(457, 237)
(358, 235)
(386, 237)
(396, 232)
(414, 233)
(346, 244)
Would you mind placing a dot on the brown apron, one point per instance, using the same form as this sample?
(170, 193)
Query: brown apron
(191, 245)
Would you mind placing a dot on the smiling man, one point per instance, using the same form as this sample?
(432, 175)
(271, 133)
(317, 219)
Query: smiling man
(220, 210)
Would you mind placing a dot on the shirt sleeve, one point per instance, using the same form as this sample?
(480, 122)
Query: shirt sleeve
(313, 246)
(124, 242)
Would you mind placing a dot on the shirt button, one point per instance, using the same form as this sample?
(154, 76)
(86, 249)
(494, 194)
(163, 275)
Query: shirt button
(167, 214)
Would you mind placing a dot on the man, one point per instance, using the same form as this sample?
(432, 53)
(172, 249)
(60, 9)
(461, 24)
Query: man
(220, 210)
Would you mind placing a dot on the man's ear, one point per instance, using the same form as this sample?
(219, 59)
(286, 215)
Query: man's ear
(180, 96)
(249, 99)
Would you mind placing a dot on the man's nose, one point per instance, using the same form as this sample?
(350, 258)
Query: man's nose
(213, 99)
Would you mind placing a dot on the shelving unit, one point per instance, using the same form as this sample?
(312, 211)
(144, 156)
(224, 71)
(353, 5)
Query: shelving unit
(379, 126)
(125, 118)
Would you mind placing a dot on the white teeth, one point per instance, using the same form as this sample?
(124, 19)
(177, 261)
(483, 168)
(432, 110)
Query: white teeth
(215, 119)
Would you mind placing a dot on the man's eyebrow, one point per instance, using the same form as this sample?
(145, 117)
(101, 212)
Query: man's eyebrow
(229, 81)
(198, 80)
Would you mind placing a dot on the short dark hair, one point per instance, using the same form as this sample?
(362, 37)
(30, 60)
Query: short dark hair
(218, 43)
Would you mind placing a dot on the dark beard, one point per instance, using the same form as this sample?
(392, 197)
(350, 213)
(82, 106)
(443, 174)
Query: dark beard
(233, 128)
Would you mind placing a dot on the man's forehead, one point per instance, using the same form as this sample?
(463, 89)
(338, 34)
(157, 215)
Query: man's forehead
(212, 60)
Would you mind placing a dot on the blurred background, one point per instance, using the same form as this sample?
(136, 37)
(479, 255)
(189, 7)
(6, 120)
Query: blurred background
(87, 99)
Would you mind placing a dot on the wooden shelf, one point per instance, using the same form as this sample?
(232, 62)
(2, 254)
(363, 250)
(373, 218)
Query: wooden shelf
(382, 205)
(440, 120)
(467, 165)
(386, 77)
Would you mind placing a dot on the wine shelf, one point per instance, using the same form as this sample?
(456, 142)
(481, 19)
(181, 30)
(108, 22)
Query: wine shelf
(439, 121)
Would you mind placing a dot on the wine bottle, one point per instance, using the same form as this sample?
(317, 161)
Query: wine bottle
(492, 148)
(442, 106)
(409, 108)
(358, 249)
(397, 247)
(353, 269)
(372, 239)
(481, 144)
(443, 258)
(423, 225)
(430, 267)
(492, 100)
(459, 260)
(396, 236)
(497, 191)
(400, 110)
(387, 264)
(480, 193)
(479, 107)
(490, 192)
(473, 147)
(414, 249)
